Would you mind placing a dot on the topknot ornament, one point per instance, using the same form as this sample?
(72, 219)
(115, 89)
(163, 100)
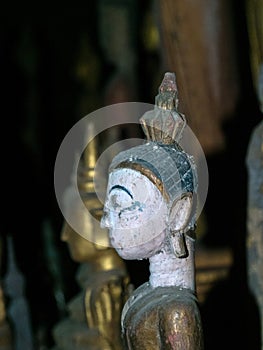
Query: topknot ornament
(164, 123)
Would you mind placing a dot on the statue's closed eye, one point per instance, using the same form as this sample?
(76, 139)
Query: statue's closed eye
(119, 187)
(120, 198)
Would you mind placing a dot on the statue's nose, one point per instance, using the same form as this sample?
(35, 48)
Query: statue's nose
(105, 221)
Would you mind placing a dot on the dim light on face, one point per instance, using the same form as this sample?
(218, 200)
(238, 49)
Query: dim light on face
(135, 213)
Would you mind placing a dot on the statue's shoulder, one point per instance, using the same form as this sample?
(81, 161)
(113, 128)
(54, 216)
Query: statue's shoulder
(136, 295)
(158, 300)
(156, 315)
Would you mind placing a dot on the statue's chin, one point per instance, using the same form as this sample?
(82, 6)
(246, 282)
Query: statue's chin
(140, 251)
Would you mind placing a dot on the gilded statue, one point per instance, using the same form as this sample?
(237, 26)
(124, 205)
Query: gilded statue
(95, 313)
(150, 210)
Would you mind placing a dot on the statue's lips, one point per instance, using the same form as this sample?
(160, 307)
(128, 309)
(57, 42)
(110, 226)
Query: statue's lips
(131, 249)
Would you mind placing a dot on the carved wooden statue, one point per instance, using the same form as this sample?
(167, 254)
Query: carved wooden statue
(254, 160)
(198, 42)
(18, 310)
(255, 210)
(150, 210)
(6, 331)
(95, 313)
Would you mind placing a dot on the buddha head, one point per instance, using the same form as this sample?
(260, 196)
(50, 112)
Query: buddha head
(81, 249)
(151, 194)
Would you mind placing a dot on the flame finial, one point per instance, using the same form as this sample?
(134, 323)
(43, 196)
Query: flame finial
(164, 124)
(87, 163)
(167, 97)
(87, 175)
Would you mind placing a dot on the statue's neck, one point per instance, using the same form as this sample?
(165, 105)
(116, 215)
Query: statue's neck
(168, 270)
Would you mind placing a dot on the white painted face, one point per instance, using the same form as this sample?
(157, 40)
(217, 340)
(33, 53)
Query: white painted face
(135, 213)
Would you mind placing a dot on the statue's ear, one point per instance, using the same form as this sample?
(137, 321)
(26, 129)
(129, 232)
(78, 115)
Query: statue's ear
(180, 212)
(178, 221)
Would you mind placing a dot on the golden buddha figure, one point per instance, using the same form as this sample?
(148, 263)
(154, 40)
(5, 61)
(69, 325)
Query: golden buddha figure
(94, 314)
(150, 210)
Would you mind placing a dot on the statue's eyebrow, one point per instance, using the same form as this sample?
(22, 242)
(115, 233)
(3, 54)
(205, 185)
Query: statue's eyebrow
(119, 187)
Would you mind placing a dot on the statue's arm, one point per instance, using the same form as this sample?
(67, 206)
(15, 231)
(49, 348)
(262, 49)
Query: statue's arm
(180, 325)
(103, 306)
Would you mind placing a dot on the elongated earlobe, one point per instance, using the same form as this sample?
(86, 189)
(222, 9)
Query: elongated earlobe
(180, 213)
(178, 222)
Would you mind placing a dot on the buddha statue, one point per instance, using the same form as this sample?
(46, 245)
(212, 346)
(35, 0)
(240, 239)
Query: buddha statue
(94, 314)
(254, 241)
(6, 330)
(150, 211)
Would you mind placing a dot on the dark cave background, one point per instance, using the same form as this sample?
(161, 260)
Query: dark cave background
(40, 98)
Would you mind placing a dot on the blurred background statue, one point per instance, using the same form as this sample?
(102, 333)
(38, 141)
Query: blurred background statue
(150, 210)
(18, 309)
(254, 13)
(198, 43)
(94, 314)
(6, 334)
(254, 161)
(254, 242)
